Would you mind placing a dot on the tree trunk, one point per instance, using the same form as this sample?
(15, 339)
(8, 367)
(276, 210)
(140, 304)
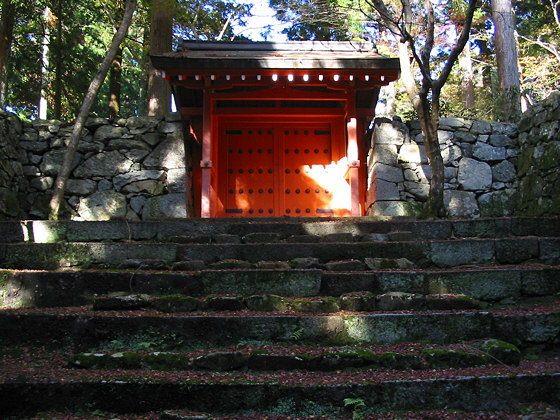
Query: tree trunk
(486, 56)
(425, 101)
(435, 206)
(161, 31)
(115, 77)
(58, 57)
(45, 64)
(115, 73)
(506, 57)
(429, 120)
(93, 90)
(467, 84)
(6, 37)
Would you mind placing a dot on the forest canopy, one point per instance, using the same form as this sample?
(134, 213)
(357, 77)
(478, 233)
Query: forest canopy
(51, 49)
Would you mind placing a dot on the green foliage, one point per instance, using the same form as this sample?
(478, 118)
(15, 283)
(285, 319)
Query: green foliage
(315, 20)
(80, 33)
(298, 409)
(539, 36)
(151, 338)
(205, 20)
(298, 334)
(357, 405)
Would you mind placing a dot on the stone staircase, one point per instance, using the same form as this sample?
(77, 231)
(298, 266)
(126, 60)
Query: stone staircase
(254, 318)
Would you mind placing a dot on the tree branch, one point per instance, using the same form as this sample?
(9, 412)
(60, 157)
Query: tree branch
(556, 10)
(426, 51)
(546, 45)
(386, 16)
(459, 46)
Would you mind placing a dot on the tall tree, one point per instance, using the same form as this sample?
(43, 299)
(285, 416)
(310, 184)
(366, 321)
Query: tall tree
(425, 94)
(506, 57)
(467, 77)
(93, 90)
(58, 65)
(6, 38)
(115, 73)
(161, 32)
(47, 23)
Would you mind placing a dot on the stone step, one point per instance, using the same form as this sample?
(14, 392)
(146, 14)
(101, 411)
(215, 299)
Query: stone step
(435, 253)
(72, 287)
(310, 411)
(122, 230)
(276, 358)
(286, 395)
(88, 329)
(348, 286)
(356, 408)
(352, 302)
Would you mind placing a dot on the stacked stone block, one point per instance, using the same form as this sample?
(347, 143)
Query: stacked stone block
(131, 168)
(13, 183)
(480, 160)
(134, 168)
(539, 160)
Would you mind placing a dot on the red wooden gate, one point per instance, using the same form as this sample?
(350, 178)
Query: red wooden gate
(283, 169)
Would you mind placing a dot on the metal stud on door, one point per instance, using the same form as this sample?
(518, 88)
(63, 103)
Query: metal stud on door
(250, 172)
(282, 169)
(308, 158)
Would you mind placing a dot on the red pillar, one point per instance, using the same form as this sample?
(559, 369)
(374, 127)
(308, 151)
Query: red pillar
(206, 162)
(353, 165)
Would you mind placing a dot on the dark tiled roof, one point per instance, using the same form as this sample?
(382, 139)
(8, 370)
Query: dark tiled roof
(335, 55)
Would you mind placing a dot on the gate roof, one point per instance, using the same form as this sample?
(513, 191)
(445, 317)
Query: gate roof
(305, 55)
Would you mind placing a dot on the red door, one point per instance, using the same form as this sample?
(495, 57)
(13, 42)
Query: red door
(282, 169)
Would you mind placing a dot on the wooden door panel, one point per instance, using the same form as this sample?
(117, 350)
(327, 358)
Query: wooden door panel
(250, 172)
(282, 169)
(307, 149)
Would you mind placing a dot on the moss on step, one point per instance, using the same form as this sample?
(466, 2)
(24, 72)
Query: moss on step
(225, 303)
(291, 283)
(177, 303)
(400, 361)
(266, 303)
(119, 360)
(261, 238)
(49, 255)
(358, 302)
(221, 361)
(322, 305)
(500, 351)
(263, 360)
(191, 239)
(389, 263)
(271, 265)
(123, 360)
(451, 301)
(13, 293)
(445, 359)
(121, 302)
(231, 263)
(166, 361)
(395, 301)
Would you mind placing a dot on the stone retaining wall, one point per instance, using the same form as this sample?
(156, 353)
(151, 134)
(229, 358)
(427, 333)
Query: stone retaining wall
(133, 168)
(479, 157)
(539, 160)
(491, 169)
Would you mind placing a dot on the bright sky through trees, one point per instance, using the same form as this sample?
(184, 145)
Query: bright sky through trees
(262, 26)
